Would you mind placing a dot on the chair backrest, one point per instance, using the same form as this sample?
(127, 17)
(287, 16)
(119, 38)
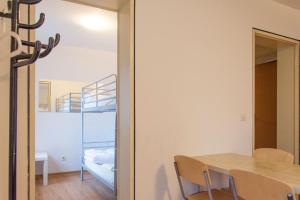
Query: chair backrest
(251, 186)
(191, 170)
(273, 155)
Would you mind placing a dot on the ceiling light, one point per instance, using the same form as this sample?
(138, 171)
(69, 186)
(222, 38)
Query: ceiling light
(95, 22)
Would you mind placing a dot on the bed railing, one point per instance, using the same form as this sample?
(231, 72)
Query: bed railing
(70, 102)
(100, 95)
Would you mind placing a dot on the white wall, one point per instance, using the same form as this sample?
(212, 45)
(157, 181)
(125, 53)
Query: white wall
(286, 98)
(77, 64)
(193, 81)
(69, 69)
(59, 134)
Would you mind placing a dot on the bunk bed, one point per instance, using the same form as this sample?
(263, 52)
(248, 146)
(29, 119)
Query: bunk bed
(70, 102)
(99, 157)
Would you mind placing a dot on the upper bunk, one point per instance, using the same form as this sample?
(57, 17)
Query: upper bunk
(100, 96)
(70, 102)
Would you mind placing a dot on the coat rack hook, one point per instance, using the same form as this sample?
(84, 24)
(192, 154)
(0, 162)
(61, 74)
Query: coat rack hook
(34, 56)
(48, 48)
(6, 13)
(38, 24)
(30, 2)
(51, 43)
(57, 39)
(44, 46)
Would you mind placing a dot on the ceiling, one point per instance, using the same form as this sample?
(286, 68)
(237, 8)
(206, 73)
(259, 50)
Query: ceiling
(290, 3)
(265, 49)
(264, 52)
(64, 17)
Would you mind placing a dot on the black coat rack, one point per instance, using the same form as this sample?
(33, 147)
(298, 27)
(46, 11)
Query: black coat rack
(24, 59)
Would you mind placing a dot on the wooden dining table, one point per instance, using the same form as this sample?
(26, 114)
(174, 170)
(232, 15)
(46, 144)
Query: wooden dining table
(223, 163)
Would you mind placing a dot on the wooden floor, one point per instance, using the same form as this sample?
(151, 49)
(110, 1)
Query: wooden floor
(69, 187)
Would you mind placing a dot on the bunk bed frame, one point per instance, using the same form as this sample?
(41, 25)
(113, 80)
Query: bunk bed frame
(100, 97)
(70, 102)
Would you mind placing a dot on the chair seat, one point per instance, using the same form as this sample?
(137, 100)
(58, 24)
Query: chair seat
(217, 195)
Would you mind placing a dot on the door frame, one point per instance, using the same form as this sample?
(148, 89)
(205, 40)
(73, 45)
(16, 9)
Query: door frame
(281, 38)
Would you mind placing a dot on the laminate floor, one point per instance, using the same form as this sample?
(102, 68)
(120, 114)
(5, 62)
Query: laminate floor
(69, 187)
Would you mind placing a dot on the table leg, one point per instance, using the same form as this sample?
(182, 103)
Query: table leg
(45, 173)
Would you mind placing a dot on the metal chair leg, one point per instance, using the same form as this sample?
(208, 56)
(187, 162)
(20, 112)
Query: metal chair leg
(233, 188)
(81, 174)
(290, 196)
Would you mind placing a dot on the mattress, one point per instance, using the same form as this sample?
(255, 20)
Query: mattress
(100, 163)
(105, 172)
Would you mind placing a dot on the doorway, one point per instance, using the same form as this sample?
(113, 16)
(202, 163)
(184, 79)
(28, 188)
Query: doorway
(276, 96)
(122, 180)
(76, 104)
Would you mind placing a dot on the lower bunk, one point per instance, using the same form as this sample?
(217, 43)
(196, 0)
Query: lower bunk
(100, 163)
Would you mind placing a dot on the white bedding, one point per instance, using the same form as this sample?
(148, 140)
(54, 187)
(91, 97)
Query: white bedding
(104, 171)
(100, 156)
(100, 162)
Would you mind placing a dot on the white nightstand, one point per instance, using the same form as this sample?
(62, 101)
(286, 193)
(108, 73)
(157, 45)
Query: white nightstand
(43, 157)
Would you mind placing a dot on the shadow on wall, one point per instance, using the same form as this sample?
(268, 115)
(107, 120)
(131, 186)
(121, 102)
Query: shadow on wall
(162, 185)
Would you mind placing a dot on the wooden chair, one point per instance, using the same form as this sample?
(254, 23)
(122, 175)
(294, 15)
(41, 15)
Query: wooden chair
(250, 186)
(197, 172)
(273, 155)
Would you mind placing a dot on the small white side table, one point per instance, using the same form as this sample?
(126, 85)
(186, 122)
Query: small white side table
(43, 157)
